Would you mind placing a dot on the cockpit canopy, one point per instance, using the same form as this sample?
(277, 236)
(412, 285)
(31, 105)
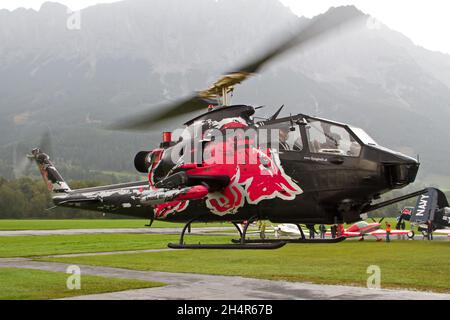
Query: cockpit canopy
(295, 133)
(329, 138)
(320, 135)
(361, 224)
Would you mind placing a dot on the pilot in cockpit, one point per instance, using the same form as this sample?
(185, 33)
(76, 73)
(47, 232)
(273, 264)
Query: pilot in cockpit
(286, 134)
(283, 137)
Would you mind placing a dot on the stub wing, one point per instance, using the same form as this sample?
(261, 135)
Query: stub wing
(376, 233)
(442, 231)
(382, 232)
(352, 234)
(347, 234)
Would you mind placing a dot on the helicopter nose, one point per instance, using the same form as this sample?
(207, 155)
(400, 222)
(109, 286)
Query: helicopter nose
(401, 172)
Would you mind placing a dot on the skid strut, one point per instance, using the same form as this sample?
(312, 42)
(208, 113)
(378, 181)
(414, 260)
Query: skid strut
(150, 223)
(301, 231)
(302, 239)
(241, 244)
(333, 240)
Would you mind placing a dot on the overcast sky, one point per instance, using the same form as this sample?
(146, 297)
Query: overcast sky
(425, 22)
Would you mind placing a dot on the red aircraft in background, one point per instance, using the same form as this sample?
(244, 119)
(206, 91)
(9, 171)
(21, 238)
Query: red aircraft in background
(363, 228)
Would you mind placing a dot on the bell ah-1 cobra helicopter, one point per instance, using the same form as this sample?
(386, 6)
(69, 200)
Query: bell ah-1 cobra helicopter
(223, 167)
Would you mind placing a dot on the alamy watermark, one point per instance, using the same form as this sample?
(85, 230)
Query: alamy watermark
(230, 146)
(74, 280)
(73, 22)
(374, 280)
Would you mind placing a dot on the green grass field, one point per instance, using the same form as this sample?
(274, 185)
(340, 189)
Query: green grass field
(418, 264)
(10, 225)
(28, 284)
(92, 224)
(421, 265)
(28, 246)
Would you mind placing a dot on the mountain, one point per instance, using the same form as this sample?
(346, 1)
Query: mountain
(131, 55)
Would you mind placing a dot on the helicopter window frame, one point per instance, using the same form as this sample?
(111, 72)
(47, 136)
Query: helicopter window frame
(354, 142)
(272, 124)
(363, 136)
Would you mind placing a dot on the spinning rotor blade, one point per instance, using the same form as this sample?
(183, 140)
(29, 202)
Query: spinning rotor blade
(21, 167)
(147, 119)
(22, 163)
(321, 25)
(46, 143)
(333, 19)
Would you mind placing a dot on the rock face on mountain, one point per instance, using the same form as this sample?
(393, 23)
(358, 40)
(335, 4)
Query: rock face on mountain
(73, 72)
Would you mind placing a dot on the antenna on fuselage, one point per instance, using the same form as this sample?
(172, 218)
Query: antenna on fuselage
(275, 115)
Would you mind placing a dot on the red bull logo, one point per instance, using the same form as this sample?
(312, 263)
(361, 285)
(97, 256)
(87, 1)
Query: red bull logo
(163, 210)
(253, 183)
(255, 171)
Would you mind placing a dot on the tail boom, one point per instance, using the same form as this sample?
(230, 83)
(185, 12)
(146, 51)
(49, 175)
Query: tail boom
(133, 198)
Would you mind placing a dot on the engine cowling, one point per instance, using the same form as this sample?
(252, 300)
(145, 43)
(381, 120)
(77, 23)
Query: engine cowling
(142, 161)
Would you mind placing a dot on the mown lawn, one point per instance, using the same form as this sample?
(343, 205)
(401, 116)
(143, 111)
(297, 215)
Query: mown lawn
(422, 265)
(27, 246)
(6, 224)
(28, 284)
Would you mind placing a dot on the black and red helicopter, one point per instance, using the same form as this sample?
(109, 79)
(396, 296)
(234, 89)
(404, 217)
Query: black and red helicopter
(226, 166)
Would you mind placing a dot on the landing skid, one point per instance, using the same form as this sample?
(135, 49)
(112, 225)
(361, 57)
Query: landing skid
(273, 245)
(241, 244)
(333, 240)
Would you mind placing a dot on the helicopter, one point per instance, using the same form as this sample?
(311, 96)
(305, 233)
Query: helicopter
(228, 166)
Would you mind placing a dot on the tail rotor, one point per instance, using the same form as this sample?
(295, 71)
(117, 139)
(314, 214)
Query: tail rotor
(22, 163)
